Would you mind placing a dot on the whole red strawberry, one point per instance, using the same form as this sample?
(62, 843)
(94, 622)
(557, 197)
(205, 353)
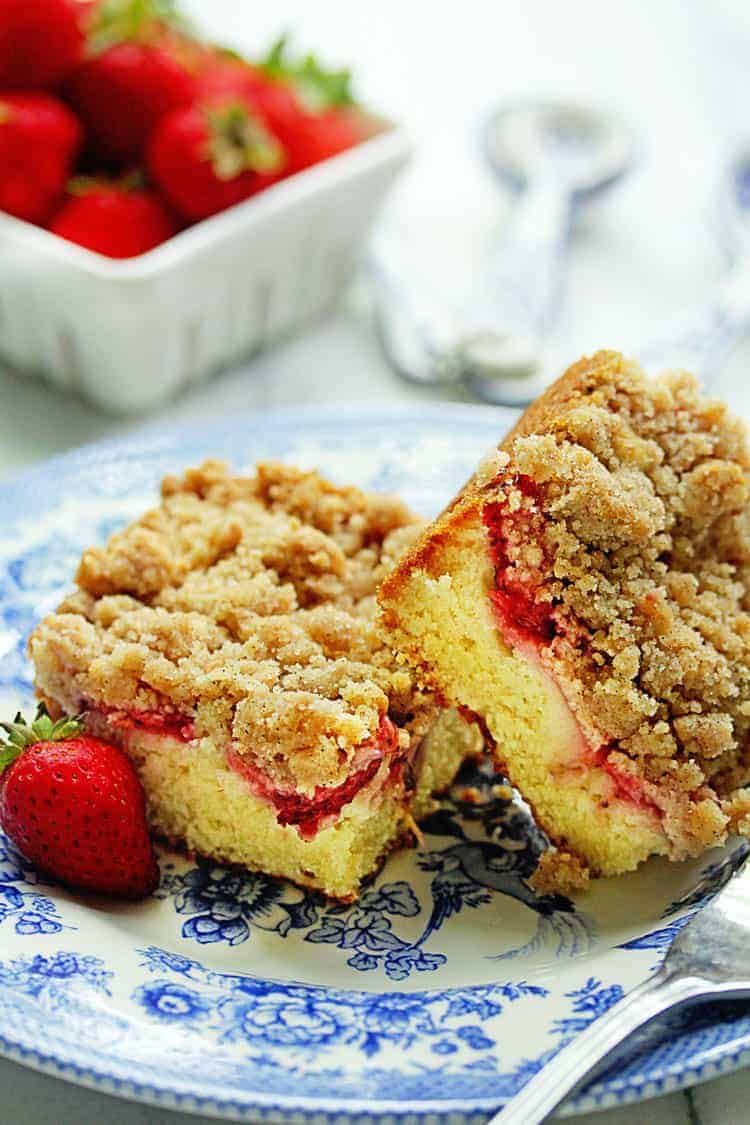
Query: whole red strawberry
(275, 100)
(121, 94)
(318, 136)
(137, 69)
(40, 42)
(212, 155)
(114, 219)
(74, 807)
(39, 142)
(224, 74)
(309, 109)
(320, 119)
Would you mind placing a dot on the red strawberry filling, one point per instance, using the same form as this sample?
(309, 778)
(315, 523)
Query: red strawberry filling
(526, 623)
(521, 614)
(628, 787)
(309, 813)
(170, 724)
(306, 813)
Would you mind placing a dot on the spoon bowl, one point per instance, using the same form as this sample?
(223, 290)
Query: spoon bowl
(585, 148)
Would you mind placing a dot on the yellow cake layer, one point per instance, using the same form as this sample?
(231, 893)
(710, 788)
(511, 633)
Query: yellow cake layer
(445, 623)
(196, 801)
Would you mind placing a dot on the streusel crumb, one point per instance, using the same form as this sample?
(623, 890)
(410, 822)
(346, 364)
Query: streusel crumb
(559, 872)
(645, 545)
(587, 595)
(247, 606)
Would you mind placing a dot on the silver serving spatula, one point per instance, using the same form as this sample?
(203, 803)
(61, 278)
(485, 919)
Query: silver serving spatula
(709, 959)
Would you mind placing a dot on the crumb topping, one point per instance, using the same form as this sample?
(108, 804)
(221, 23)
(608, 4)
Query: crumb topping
(247, 605)
(559, 872)
(642, 560)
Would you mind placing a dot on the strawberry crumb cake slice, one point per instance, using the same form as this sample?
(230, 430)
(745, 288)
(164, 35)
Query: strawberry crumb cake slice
(228, 641)
(586, 596)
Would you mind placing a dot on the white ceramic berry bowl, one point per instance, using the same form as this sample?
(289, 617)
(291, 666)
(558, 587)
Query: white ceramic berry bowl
(128, 334)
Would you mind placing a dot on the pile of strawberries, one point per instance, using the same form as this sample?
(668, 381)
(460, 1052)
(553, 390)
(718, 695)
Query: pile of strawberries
(118, 127)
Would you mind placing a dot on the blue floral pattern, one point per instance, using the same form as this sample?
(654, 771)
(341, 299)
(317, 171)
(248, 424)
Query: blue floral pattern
(29, 913)
(590, 1001)
(62, 989)
(224, 905)
(180, 1019)
(232, 1024)
(458, 1027)
(269, 1015)
(367, 931)
(56, 976)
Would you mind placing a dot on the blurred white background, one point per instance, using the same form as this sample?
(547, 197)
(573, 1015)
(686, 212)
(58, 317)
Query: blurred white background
(678, 70)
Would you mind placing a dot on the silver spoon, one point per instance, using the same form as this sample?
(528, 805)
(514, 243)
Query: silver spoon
(555, 156)
(709, 959)
(702, 340)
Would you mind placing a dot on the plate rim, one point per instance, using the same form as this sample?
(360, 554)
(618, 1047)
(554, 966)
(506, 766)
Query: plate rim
(727, 1060)
(154, 441)
(159, 434)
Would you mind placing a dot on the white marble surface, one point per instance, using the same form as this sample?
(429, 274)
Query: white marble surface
(677, 69)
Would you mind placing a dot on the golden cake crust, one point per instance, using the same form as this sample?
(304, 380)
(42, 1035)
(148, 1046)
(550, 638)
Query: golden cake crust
(643, 562)
(247, 605)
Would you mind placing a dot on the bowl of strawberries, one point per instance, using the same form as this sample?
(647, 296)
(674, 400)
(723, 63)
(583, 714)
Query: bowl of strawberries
(167, 206)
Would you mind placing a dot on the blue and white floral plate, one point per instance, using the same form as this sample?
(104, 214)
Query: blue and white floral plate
(440, 993)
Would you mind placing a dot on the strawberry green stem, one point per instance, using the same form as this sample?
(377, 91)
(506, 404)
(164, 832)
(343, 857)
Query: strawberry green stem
(319, 89)
(43, 729)
(239, 142)
(139, 21)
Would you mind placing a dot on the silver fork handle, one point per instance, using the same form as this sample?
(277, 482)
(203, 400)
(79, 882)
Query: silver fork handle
(522, 287)
(567, 1070)
(428, 340)
(414, 324)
